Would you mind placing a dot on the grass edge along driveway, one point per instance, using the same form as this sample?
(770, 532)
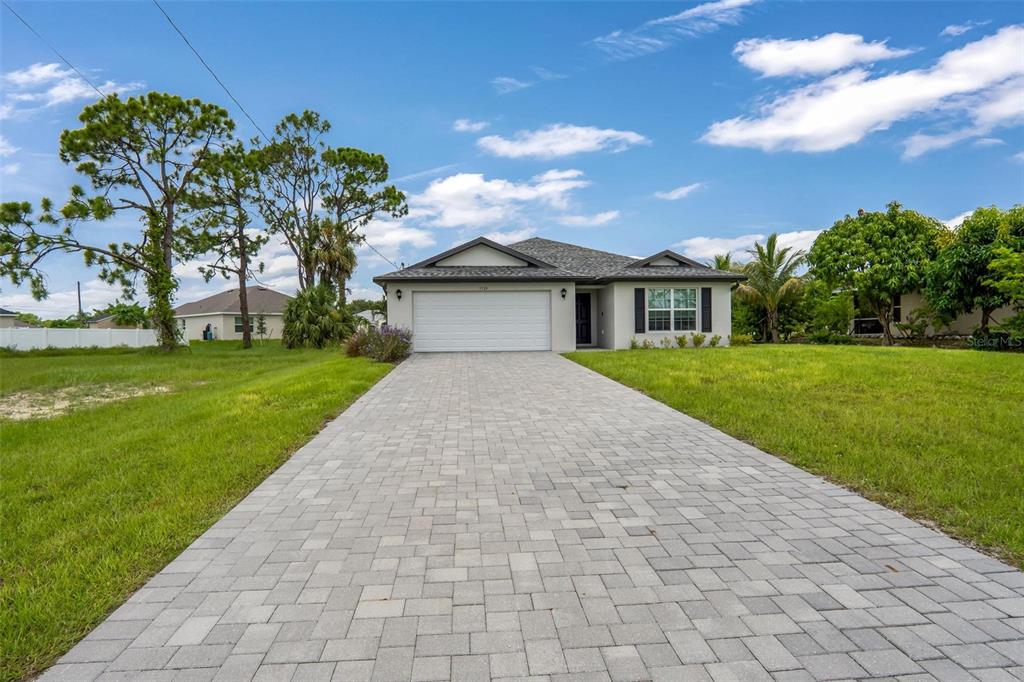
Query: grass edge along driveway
(935, 434)
(97, 501)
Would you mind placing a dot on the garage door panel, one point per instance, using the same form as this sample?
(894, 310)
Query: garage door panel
(481, 321)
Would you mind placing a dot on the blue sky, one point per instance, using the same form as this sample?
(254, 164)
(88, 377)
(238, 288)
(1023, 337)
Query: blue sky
(630, 127)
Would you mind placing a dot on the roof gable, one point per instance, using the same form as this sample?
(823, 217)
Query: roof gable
(477, 252)
(669, 259)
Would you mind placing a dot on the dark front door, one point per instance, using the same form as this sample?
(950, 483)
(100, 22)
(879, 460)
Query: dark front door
(583, 319)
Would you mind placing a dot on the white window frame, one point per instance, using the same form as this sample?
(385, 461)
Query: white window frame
(672, 309)
(239, 327)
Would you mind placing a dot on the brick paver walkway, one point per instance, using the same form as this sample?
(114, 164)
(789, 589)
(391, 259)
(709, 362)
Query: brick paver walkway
(481, 516)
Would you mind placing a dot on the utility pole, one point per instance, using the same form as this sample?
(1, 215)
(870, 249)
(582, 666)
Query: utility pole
(78, 285)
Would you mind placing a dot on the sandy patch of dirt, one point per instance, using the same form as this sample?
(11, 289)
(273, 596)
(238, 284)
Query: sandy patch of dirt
(46, 405)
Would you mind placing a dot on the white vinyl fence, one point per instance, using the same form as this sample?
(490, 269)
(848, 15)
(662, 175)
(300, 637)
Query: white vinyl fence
(29, 338)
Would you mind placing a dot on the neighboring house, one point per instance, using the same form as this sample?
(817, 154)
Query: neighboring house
(7, 318)
(541, 294)
(906, 305)
(372, 317)
(221, 314)
(108, 322)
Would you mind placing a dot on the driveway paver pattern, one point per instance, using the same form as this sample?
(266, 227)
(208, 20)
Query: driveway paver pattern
(516, 516)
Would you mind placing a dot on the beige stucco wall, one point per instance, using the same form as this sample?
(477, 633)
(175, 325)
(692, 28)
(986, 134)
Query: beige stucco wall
(481, 255)
(224, 326)
(623, 321)
(606, 317)
(963, 325)
(563, 311)
(7, 322)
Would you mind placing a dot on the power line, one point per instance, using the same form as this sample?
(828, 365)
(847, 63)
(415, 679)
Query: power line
(210, 69)
(53, 49)
(239, 104)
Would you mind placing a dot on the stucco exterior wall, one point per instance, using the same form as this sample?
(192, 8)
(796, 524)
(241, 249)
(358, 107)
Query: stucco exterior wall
(963, 325)
(7, 322)
(563, 311)
(481, 255)
(623, 321)
(606, 317)
(224, 326)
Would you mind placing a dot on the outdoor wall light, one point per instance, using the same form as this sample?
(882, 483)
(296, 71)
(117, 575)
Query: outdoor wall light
(564, 292)
(398, 294)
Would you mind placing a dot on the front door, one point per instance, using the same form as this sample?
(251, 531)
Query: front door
(583, 319)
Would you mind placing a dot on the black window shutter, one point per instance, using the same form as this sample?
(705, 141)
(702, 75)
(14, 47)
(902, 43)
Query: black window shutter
(705, 309)
(639, 325)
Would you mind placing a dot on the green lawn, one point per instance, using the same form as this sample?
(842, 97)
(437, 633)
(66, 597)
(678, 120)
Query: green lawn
(937, 434)
(96, 501)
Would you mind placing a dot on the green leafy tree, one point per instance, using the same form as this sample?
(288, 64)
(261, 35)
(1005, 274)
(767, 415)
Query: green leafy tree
(318, 197)
(261, 326)
(771, 280)
(30, 319)
(124, 314)
(142, 155)
(311, 319)
(224, 204)
(958, 279)
(879, 254)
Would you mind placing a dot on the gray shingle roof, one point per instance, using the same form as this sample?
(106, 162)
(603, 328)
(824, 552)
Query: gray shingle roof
(6, 312)
(260, 299)
(562, 261)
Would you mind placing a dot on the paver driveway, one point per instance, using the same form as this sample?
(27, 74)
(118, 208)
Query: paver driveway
(482, 516)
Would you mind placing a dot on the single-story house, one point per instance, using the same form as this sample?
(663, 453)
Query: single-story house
(541, 294)
(7, 318)
(108, 322)
(906, 305)
(221, 314)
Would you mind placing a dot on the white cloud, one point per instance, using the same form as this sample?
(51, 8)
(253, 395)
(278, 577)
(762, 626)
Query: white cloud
(1018, 157)
(954, 30)
(708, 247)
(391, 237)
(679, 192)
(436, 170)
(471, 200)
(957, 220)
(465, 125)
(842, 109)
(6, 148)
(594, 220)
(10, 168)
(660, 34)
(988, 142)
(560, 139)
(506, 84)
(547, 74)
(813, 56)
(511, 236)
(47, 85)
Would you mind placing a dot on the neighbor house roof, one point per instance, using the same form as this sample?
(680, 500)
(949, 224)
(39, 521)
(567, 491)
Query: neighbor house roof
(547, 259)
(7, 313)
(260, 299)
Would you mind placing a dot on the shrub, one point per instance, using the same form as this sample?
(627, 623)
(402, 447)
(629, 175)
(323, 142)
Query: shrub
(359, 342)
(648, 344)
(666, 342)
(825, 336)
(633, 343)
(698, 339)
(714, 340)
(681, 341)
(311, 319)
(741, 339)
(390, 344)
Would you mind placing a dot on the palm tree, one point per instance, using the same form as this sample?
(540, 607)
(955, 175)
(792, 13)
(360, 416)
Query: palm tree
(335, 256)
(771, 279)
(724, 261)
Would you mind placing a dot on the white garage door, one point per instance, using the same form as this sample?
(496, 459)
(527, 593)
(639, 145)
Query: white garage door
(481, 320)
